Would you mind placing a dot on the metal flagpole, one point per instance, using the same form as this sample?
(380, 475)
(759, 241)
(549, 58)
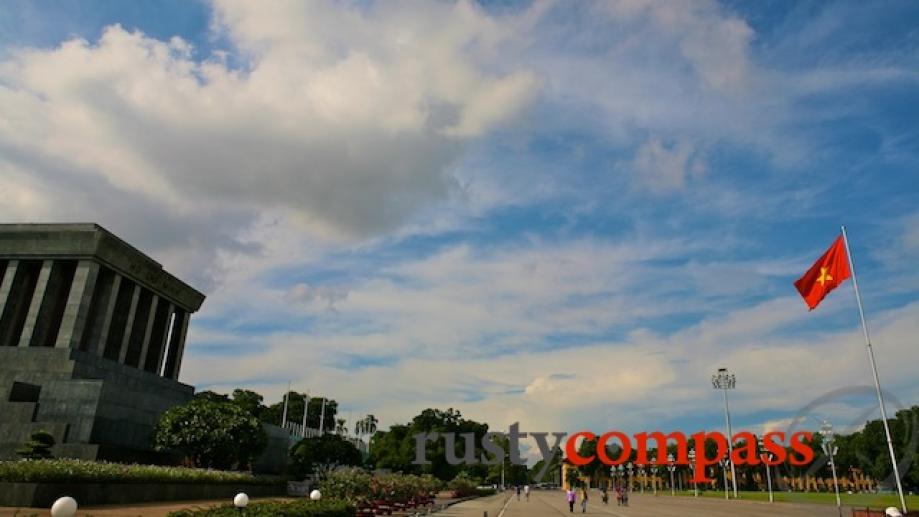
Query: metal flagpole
(306, 410)
(322, 419)
(874, 370)
(286, 397)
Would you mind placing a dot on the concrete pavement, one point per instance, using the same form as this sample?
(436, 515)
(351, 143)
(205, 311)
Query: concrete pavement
(542, 503)
(551, 503)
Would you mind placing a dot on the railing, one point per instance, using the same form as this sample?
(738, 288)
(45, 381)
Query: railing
(298, 431)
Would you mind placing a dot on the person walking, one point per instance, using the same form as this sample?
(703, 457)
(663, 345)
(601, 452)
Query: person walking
(518, 492)
(618, 495)
(571, 495)
(584, 499)
(526, 491)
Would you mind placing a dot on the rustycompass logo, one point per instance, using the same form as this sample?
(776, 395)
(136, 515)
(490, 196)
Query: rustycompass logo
(615, 448)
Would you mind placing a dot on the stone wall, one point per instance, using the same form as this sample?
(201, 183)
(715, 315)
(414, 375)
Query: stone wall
(94, 408)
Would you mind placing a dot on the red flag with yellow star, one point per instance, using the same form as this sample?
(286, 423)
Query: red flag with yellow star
(829, 271)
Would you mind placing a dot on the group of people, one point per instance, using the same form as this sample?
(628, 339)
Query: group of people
(572, 497)
(622, 497)
(526, 491)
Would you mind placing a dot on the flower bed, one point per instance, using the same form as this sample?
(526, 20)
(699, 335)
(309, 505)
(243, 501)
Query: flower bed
(80, 471)
(326, 508)
(380, 494)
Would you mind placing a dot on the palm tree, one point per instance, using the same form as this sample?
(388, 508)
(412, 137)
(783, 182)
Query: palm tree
(371, 424)
(366, 426)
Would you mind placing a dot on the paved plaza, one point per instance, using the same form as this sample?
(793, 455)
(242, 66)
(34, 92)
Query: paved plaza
(541, 504)
(552, 504)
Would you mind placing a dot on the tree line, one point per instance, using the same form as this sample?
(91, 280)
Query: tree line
(865, 450)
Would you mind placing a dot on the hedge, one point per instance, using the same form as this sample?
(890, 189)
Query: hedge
(81, 471)
(359, 487)
(304, 508)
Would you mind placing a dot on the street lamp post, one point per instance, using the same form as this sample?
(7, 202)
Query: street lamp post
(829, 448)
(631, 470)
(671, 466)
(724, 469)
(766, 457)
(641, 470)
(654, 475)
(503, 459)
(692, 465)
(725, 381)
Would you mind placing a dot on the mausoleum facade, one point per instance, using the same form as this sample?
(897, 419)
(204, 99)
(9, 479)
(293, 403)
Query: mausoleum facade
(92, 334)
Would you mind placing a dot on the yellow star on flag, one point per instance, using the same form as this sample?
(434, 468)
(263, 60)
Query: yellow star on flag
(824, 276)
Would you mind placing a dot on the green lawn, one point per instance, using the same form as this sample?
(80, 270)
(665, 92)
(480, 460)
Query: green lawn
(856, 500)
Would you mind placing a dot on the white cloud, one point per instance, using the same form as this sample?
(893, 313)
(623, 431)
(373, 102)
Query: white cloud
(483, 330)
(715, 43)
(663, 168)
(329, 296)
(340, 116)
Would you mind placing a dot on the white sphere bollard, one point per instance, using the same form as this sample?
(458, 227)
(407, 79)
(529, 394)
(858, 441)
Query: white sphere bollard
(64, 507)
(241, 500)
(893, 511)
(315, 495)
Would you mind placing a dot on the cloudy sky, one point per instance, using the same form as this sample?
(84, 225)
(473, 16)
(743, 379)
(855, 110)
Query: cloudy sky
(566, 214)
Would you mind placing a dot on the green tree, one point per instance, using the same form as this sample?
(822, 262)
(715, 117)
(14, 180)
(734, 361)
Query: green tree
(38, 446)
(250, 401)
(553, 471)
(211, 396)
(513, 474)
(212, 434)
(322, 453)
(588, 448)
(395, 449)
(907, 446)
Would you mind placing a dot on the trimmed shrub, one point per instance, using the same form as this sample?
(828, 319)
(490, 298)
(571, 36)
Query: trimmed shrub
(305, 508)
(357, 486)
(38, 446)
(80, 471)
(463, 485)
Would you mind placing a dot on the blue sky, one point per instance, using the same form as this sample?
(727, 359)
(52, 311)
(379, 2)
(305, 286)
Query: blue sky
(566, 215)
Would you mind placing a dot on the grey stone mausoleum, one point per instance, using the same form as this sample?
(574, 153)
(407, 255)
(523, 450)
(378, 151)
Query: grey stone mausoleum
(92, 333)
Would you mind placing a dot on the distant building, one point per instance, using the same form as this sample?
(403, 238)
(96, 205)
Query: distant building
(92, 333)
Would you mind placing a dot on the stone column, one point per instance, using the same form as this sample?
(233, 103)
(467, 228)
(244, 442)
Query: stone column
(38, 297)
(177, 345)
(164, 340)
(78, 305)
(129, 325)
(145, 344)
(107, 312)
(7, 284)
